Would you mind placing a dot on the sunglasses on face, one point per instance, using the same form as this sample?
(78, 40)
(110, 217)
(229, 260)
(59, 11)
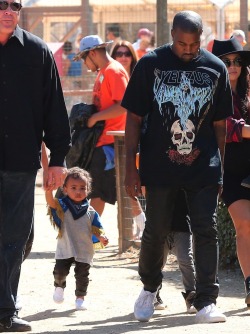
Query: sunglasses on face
(236, 62)
(119, 54)
(14, 6)
(84, 56)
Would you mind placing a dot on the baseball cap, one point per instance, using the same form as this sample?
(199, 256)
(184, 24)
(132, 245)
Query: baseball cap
(144, 31)
(240, 35)
(88, 43)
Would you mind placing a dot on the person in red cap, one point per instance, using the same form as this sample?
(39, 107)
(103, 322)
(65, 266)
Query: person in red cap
(240, 36)
(145, 35)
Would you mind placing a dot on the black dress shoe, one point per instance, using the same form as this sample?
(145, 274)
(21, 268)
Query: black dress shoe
(14, 324)
(247, 284)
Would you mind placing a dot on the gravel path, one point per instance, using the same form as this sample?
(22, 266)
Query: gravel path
(113, 288)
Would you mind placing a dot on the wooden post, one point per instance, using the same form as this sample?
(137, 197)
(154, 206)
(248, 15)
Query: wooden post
(244, 17)
(162, 23)
(124, 215)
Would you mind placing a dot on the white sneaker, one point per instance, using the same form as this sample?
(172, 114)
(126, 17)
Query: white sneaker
(189, 300)
(158, 303)
(209, 314)
(144, 305)
(81, 304)
(191, 309)
(18, 303)
(159, 306)
(58, 295)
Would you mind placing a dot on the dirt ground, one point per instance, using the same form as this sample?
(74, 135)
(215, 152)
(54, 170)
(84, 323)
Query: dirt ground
(113, 288)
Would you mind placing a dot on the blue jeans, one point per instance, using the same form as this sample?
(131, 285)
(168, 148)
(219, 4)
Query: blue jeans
(16, 213)
(202, 204)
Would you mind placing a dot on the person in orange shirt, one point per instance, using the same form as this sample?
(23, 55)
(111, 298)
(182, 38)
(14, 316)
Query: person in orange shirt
(143, 48)
(108, 91)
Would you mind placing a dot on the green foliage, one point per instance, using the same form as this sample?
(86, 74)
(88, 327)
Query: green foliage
(227, 242)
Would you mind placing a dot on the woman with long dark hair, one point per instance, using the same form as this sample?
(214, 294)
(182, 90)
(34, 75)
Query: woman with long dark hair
(236, 192)
(124, 53)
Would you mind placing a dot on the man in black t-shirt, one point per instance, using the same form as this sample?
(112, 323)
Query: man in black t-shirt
(177, 100)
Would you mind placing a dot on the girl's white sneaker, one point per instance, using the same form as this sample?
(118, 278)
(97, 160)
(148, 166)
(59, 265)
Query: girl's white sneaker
(58, 295)
(81, 304)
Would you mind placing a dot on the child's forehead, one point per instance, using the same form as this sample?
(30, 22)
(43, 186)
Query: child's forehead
(77, 180)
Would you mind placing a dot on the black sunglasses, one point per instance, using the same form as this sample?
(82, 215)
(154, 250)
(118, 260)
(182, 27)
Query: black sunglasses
(119, 54)
(236, 62)
(84, 56)
(14, 6)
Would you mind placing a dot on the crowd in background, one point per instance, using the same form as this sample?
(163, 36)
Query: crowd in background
(183, 122)
(74, 74)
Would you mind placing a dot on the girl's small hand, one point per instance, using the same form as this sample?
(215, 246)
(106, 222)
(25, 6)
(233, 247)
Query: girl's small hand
(104, 240)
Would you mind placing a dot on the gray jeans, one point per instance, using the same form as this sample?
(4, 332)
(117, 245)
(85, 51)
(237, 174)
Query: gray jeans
(180, 245)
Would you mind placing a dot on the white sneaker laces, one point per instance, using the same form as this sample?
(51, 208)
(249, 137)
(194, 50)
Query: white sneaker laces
(147, 299)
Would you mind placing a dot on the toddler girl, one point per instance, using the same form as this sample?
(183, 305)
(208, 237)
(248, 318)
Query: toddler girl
(79, 227)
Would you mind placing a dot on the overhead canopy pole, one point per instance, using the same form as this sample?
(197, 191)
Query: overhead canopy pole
(162, 26)
(220, 5)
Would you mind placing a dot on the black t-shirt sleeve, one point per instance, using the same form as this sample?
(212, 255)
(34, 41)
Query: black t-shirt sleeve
(223, 102)
(138, 95)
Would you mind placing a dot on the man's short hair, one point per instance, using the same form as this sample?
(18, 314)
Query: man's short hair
(115, 29)
(188, 21)
(67, 46)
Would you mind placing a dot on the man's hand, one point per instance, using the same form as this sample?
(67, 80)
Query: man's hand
(55, 177)
(133, 184)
